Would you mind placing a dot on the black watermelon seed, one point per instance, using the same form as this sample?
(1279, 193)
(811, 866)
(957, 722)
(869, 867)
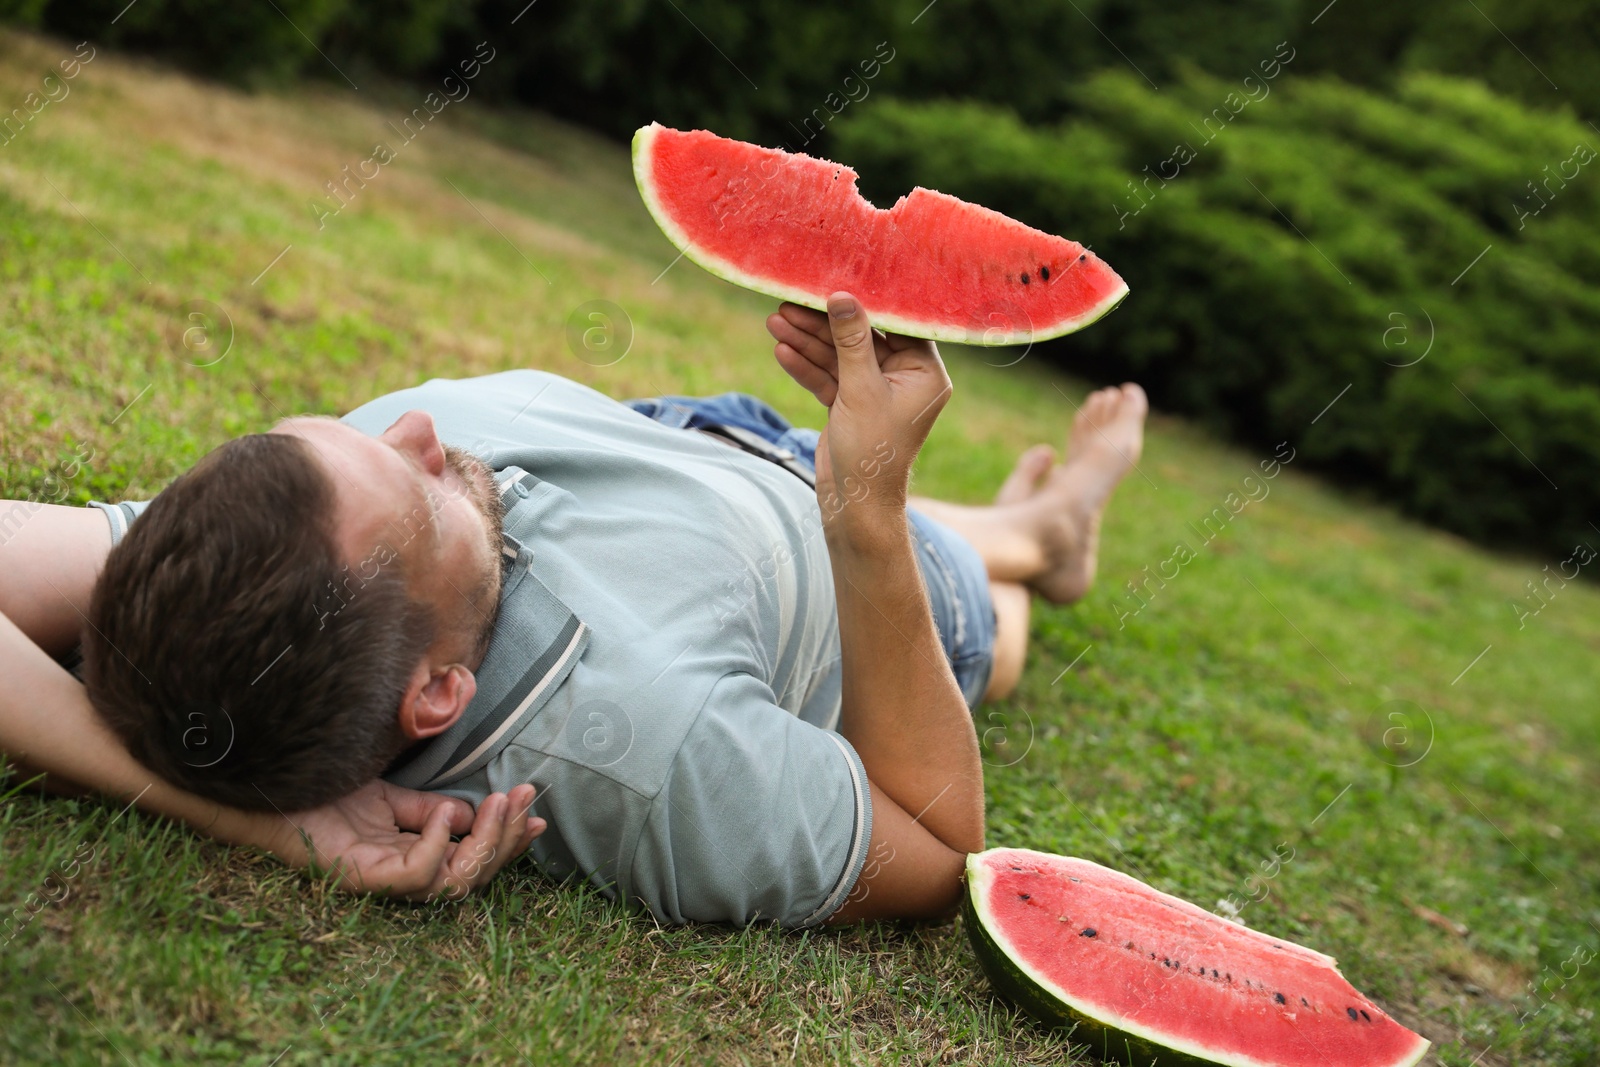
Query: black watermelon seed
(1024, 277)
(1044, 273)
(1365, 1016)
(1152, 955)
(1016, 868)
(1024, 896)
(1303, 1001)
(1088, 931)
(1214, 973)
(1279, 998)
(1229, 977)
(1083, 257)
(1352, 1013)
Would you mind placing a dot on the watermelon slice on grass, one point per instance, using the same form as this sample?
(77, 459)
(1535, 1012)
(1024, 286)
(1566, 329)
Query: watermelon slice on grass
(794, 227)
(1147, 978)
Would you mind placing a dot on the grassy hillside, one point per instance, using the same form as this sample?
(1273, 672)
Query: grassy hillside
(1320, 677)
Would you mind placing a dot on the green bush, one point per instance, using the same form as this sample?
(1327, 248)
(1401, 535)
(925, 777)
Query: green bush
(746, 68)
(1542, 51)
(399, 36)
(243, 42)
(258, 41)
(1321, 238)
(759, 68)
(23, 12)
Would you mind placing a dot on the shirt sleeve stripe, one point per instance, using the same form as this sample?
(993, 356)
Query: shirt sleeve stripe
(116, 516)
(860, 840)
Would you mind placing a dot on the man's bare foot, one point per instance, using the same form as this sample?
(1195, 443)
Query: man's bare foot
(1023, 481)
(1105, 442)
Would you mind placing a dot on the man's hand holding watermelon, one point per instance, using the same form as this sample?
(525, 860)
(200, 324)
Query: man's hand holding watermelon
(902, 708)
(883, 393)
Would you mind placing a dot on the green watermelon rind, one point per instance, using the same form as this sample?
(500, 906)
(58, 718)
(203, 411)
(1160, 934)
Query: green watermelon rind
(1011, 978)
(1013, 984)
(891, 323)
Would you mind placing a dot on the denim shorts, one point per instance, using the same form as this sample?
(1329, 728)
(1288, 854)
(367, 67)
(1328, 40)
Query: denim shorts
(952, 571)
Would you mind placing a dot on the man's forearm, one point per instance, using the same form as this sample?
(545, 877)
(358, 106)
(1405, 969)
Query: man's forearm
(902, 708)
(51, 555)
(47, 725)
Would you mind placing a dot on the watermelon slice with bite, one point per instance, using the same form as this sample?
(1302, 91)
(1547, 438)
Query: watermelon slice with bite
(1146, 977)
(794, 227)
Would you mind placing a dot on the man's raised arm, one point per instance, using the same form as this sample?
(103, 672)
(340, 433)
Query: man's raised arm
(902, 708)
(48, 566)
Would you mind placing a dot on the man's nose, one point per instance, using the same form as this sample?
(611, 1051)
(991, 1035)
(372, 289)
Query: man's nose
(413, 435)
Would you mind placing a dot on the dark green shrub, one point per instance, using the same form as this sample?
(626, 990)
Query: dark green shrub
(758, 68)
(243, 42)
(1542, 51)
(751, 68)
(23, 12)
(1318, 240)
(398, 36)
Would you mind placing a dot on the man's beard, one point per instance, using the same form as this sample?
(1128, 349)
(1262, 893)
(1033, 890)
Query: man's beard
(477, 476)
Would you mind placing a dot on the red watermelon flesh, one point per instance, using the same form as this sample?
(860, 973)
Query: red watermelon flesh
(1147, 976)
(794, 227)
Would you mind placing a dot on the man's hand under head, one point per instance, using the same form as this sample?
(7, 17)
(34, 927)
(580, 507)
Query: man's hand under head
(385, 839)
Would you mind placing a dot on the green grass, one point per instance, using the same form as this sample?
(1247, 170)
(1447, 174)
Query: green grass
(1245, 708)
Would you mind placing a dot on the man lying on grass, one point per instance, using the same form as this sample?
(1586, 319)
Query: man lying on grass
(741, 696)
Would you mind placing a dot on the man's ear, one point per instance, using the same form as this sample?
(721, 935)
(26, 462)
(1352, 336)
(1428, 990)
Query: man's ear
(434, 699)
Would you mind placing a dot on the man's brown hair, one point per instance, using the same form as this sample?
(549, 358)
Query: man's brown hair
(230, 646)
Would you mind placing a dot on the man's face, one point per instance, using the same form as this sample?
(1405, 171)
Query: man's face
(433, 505)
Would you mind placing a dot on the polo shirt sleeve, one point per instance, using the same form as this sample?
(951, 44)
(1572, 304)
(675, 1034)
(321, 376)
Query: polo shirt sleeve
(120, 516)
(762, 818)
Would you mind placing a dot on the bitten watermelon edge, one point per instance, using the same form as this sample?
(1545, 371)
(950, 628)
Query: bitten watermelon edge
(794, 227)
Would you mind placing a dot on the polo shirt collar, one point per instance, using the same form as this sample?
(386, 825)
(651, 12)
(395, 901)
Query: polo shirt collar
(536, 643)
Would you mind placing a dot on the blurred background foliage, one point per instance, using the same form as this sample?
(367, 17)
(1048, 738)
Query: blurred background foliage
(1309, 252)
(1292, 189)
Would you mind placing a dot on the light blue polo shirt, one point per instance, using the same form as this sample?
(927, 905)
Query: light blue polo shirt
(665, 668)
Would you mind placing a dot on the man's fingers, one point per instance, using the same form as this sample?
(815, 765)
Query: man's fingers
(818, 382)
(813, 348)
(815, 324)
(521, 798)
(424, 858)
(469, 854)
(502, 829)
(514, 831)
(898, 342)
(519, 803)
(853, 339)
(473, 860)
(810, 320)
(413, 809)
